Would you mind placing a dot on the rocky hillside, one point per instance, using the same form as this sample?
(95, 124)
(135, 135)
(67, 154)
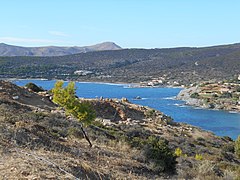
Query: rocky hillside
(179, 66)
(38, 141)
(9, 50)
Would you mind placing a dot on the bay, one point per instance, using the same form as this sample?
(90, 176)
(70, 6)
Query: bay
(222, 123)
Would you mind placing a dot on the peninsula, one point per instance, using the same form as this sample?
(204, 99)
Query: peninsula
(224, 95)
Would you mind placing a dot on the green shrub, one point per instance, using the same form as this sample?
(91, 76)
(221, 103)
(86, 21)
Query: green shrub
(226, 95)
(158, 152)
(237, 147)
(229, 147)
(195, 95)
(150, 113)
(39, 115)
(238, 88)
(200, 139)
(137, 142)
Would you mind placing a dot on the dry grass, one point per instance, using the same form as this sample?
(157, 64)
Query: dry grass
(21, 165)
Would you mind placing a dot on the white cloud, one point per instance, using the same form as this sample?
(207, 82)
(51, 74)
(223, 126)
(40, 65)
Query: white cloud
(25, 40)
(58, 33)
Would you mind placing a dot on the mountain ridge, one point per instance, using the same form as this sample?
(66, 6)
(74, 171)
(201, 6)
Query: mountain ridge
(12, 50)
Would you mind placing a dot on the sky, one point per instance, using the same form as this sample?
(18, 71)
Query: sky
(128, 23)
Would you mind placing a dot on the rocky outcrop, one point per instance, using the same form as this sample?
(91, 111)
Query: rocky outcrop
(21, 95)
(185, 95)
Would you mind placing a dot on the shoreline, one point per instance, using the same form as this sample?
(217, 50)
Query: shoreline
(130, 85)
(44, 79)
(120, 83)
(205, 108)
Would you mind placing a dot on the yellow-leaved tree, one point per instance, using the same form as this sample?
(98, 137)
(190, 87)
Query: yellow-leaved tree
(66, 98)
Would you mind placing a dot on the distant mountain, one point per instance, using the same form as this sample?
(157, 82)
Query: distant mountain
(10, 50)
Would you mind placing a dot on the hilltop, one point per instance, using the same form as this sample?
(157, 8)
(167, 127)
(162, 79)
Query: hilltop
(38, 140)
(173, 66)
(10, 50)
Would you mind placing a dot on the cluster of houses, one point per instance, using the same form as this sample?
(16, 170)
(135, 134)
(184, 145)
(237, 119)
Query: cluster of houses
(160, 81)
(226, 94)
(220, 88)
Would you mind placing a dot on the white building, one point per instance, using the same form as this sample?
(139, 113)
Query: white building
(83, 72)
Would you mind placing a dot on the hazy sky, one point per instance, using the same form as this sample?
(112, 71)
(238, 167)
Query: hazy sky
(129, 23)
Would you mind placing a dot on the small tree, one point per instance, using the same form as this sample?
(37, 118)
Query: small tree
(66, 98)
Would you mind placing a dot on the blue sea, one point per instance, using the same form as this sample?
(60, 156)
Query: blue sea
(222, 123)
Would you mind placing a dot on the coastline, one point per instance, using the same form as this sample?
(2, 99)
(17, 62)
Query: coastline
(119, 83)
(15, 79)
(95, 82)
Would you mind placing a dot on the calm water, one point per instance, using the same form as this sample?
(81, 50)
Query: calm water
(220, 122)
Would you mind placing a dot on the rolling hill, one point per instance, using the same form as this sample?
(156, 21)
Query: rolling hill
(181, 65)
